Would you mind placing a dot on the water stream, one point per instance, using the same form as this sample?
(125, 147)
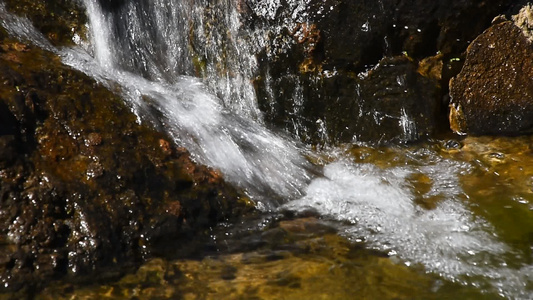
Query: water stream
(217, 132)
(145, 56)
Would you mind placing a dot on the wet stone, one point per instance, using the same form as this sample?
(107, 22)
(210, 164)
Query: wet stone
(493, 94)
(315, 76)
(165, 146)
(95, 170)
(74, 206)
(93, 139)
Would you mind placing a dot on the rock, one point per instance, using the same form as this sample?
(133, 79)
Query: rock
(392, 102)
(93, 139)
(493, 94)
(59, 20)
(85, 191)
(312, 69)
(524, 21)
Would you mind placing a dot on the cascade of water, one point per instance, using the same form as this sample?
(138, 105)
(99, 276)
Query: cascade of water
(162, 40)
(145, 49)
(447, 240)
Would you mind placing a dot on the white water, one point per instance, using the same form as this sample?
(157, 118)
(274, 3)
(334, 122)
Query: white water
(448, 240)
(226, 133)
(217, 134)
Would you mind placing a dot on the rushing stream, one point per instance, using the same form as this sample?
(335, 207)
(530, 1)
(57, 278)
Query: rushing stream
(417, 204)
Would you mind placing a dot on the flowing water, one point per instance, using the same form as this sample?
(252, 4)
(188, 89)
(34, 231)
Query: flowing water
(460, 211)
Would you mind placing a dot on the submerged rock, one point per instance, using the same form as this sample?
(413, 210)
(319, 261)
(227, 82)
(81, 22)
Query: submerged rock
(295, 259)
(84, 189)
(493, 94)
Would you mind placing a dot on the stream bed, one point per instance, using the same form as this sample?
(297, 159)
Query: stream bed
(447, 219)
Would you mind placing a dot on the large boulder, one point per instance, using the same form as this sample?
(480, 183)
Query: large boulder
(493, 93)
(84, 189)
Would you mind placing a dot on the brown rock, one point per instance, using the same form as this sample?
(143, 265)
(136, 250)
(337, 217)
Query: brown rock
(83, 185)
(93, 139)
(493, 93)
(165, 146)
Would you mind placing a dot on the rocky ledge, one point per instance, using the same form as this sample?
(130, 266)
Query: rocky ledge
(323, 76)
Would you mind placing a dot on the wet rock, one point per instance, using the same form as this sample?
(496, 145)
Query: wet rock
(112, 4)
(323, 266)
(493, 94)
(390, 102)
(95, 170)
(93, 139)
(85, 191)
(313, 69)
(61, 21)
(8, 131)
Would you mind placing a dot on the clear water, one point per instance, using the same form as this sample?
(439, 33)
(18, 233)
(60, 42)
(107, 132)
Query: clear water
(422, 206)
(418, 211)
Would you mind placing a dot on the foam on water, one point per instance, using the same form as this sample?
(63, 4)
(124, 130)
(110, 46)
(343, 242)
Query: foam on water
(448, 240)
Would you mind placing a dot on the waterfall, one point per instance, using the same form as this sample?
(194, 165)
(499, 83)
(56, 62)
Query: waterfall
(169, 56)
(144, 47)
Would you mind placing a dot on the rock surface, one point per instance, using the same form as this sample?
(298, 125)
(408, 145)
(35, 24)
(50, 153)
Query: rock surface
(314, 63)
(493, 94)
(58, 20)
(390, 102)
(84, 189)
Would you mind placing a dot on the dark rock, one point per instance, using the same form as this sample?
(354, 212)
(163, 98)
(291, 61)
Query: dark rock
(85, 191)
(58, 20)
(391, 102)
(112, 4)
(93, 139)
(493, 94)
(313, 68)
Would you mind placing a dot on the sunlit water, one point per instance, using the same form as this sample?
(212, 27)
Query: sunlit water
(383, 208)
(374, 203)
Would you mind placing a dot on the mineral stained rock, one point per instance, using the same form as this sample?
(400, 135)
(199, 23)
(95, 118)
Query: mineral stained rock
(493, 93)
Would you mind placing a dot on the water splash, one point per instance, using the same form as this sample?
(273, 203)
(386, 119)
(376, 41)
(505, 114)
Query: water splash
(268, 166)
(378, 204)
(382, 212)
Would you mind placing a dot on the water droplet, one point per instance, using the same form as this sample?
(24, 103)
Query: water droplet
(365, 27)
